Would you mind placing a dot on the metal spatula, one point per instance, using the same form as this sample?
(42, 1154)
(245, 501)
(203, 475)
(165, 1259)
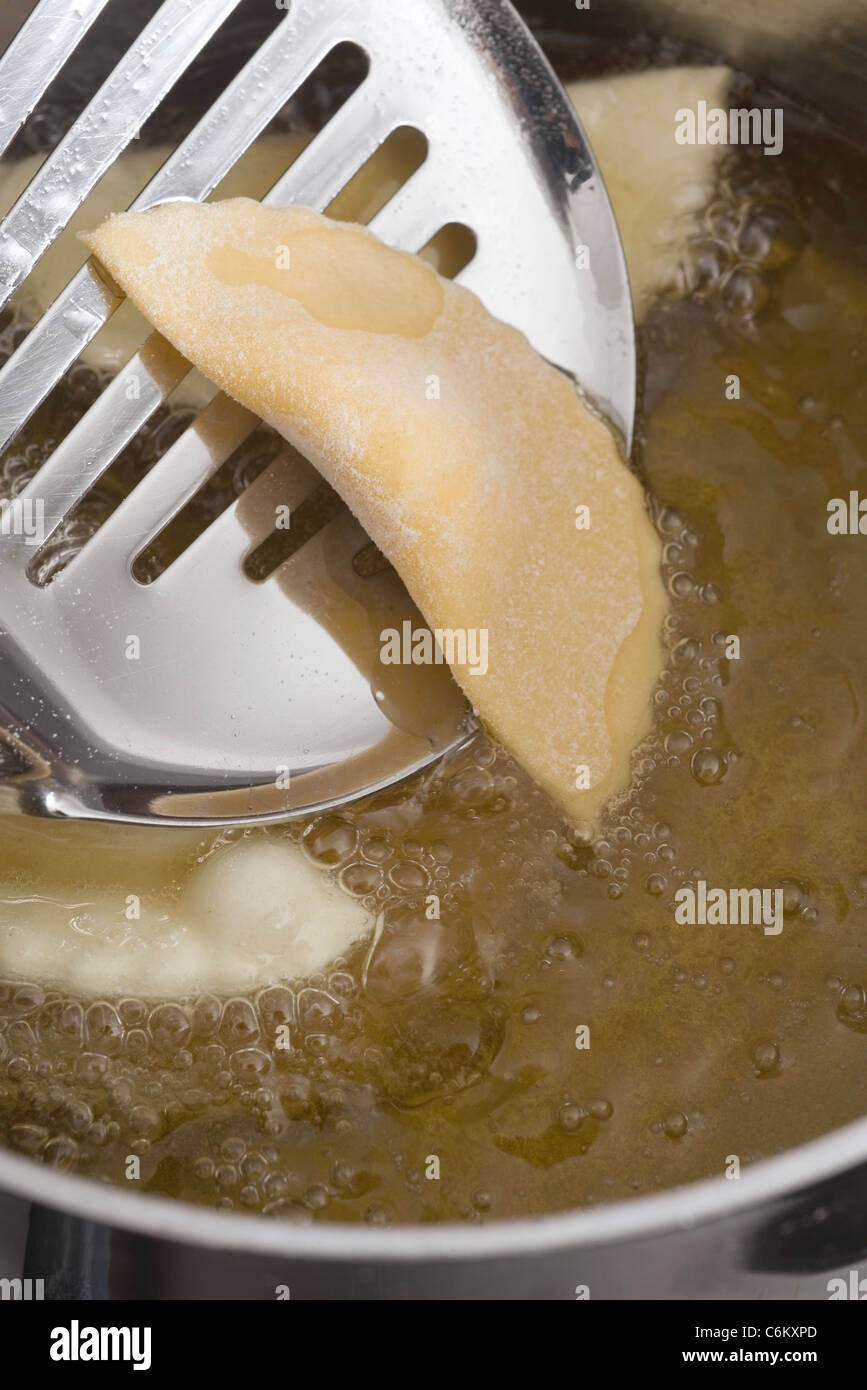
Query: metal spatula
(203, 697)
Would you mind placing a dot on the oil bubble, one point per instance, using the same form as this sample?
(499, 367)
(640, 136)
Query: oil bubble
(707, 767)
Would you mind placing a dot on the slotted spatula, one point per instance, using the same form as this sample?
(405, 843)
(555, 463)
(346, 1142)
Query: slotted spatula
(202, 697)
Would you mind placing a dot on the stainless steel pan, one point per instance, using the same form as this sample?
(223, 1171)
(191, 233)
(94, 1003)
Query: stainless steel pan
(781, 1231)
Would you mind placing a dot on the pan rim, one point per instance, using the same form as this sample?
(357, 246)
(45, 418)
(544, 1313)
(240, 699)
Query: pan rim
(790, 1173)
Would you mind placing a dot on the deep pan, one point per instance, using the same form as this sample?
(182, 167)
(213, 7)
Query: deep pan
(626, 1058)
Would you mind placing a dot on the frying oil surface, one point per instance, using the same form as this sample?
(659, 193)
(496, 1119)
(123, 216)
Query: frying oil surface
(459, 1035)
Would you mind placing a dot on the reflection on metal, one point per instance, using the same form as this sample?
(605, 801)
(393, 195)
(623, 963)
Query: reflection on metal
(202, 696)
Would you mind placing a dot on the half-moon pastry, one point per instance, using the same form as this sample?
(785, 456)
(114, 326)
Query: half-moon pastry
(473, 464)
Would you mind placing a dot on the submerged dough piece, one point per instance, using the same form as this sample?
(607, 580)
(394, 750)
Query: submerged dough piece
(266, 897)
(460, 450)
(656, 186)
(254, 913)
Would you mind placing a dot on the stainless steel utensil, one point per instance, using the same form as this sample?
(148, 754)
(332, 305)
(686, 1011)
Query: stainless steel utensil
(202, 697)
(789, 1224)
